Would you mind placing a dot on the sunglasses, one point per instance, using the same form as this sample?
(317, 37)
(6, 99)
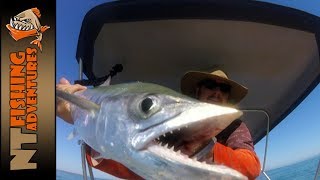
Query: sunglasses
(212, 85)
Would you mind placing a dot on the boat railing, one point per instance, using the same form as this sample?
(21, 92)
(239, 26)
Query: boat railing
(267, 138)
(85, 162)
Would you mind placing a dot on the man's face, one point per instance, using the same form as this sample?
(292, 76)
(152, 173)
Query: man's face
(215, 92)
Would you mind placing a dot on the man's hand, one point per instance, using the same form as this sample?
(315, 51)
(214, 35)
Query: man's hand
(62, 106)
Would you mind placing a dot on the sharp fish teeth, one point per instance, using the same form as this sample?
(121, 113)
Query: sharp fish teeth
(11, 22)
(17, 26)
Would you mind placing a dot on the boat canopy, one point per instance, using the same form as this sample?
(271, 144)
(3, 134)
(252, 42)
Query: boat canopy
(273, 50)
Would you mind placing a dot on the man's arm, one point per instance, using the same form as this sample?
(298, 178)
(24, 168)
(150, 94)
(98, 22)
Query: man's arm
(236, 150)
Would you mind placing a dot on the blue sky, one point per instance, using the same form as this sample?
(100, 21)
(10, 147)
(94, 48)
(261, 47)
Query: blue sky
(295, 139)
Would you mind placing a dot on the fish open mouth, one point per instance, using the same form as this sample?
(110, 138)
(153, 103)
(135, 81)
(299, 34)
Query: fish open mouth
(20, 25)
(166, 147)
(181, 143)
(177, 142)
(19, 29)
(182, 137)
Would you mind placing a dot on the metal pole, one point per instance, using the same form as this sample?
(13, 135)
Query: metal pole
(80, 68)
(83, 159)
(267, 137)
(90, 171)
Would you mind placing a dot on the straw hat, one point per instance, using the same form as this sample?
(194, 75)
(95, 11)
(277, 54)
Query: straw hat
(191, 79)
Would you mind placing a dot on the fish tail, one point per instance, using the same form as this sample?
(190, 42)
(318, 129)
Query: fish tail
(38, 43)
(44, 28)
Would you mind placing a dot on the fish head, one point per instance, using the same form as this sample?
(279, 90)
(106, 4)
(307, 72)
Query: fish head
(24, 24)
(128, 111)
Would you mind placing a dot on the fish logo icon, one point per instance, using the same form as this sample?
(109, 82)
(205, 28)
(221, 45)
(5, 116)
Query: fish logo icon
(27, 24)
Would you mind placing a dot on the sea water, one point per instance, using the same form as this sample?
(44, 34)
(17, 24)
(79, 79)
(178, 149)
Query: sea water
(304, 170)
(63, 175)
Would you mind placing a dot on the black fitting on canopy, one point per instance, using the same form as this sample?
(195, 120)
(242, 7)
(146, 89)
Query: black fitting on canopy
(96, 82)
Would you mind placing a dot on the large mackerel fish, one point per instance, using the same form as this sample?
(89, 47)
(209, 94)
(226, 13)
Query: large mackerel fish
(144, 126)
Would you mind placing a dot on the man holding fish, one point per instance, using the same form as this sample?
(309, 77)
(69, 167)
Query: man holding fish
(232, 147)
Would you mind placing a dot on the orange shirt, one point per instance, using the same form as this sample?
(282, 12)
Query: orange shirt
(242, 160)
(234, 148)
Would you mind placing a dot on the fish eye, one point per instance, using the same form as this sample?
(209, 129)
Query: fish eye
(147, 105)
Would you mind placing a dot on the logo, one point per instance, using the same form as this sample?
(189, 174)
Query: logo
(27, 24)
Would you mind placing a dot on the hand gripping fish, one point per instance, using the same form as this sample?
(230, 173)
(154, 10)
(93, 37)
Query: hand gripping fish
(133, 123)
(26, 24)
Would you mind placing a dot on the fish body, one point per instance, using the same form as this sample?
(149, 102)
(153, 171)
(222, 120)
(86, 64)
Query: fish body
(129, 123)
(27, 24)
